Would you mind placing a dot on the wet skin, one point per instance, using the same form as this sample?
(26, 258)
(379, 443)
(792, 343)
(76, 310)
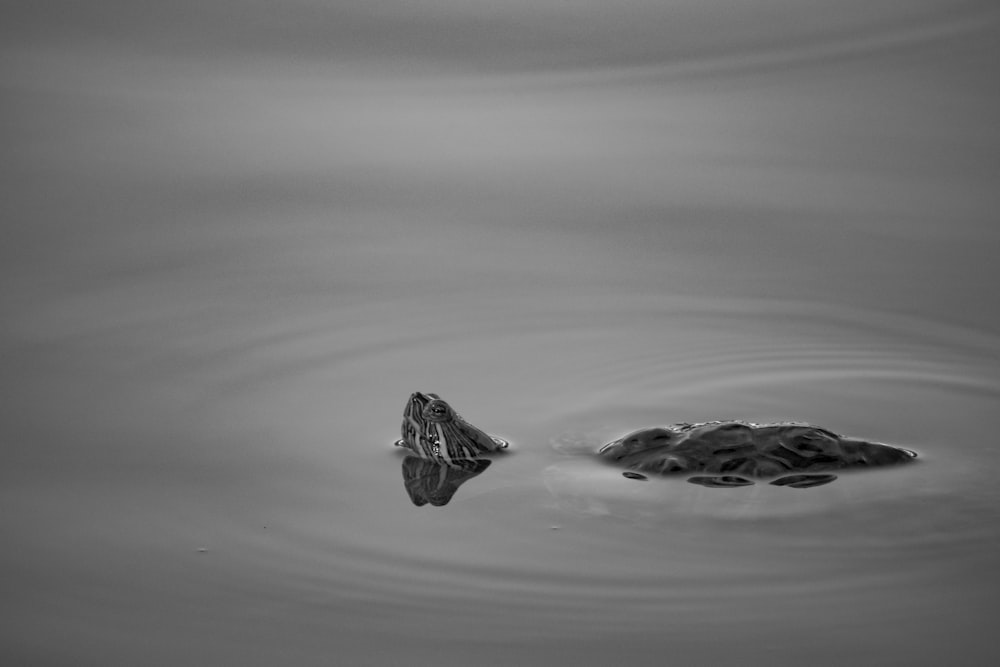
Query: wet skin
(431, 429)
(444, 450)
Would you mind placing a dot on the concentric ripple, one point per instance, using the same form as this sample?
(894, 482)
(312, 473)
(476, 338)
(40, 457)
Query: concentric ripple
(553, 531)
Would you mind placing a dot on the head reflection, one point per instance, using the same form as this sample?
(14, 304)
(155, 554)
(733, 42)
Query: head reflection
(434, 481)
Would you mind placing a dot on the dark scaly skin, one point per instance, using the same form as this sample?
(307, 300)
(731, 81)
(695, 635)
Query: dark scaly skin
(431, 429)
(731, 449)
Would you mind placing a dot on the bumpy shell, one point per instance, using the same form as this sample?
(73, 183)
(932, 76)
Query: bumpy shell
(741, 448)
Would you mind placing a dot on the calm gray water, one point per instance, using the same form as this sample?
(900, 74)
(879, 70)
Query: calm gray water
(236, 236)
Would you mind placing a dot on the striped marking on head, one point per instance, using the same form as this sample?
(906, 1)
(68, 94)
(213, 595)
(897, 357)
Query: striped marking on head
(432, 429)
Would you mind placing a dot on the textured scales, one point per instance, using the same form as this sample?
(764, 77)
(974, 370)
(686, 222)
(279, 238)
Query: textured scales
(433, 430)
(732, 448)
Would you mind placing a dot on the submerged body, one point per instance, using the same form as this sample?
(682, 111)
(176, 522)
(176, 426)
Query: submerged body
(734, 448)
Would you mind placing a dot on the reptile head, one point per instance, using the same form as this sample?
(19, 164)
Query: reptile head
(433, 430)
(428, 407)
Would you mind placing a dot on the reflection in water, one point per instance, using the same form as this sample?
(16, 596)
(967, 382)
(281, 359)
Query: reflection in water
(730, 481)
(804, 481)
(435, 482)
(720, 481)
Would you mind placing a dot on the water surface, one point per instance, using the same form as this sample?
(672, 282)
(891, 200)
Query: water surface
(235, 241)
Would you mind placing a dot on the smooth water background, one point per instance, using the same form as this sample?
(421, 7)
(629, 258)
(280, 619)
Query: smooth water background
(237, 235)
